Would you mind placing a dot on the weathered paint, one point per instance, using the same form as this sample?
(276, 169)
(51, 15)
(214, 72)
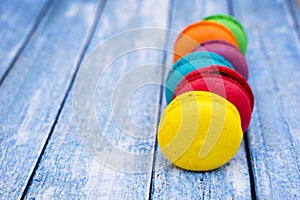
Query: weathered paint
(273, 57)
(67, 168)
(18, 21)
(32, 93)
(41, 151)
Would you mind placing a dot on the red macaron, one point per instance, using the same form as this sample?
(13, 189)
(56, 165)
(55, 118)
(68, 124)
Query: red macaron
(225, 82)
(229, 52)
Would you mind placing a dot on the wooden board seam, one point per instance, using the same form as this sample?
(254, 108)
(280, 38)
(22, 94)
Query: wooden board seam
(39, 18)
(292, 6)
(161, 94)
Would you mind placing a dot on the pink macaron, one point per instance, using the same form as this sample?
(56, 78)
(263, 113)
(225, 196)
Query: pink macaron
(229, 52)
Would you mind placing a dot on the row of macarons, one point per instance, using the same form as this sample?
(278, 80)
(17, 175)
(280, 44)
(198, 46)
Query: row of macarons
(209, 75)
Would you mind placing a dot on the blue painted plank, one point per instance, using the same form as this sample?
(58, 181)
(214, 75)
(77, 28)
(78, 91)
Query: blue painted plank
(69, 168)
(32, 93)
(228, 182)
(274, 138)
(18, 20)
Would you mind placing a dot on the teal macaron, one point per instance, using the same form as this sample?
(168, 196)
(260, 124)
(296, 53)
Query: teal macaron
(187, 64)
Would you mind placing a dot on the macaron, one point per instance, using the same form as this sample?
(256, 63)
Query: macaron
(235, 27)
(188, 64)
(225, 82)
(199, 32)
(229, 52)
(199, 131)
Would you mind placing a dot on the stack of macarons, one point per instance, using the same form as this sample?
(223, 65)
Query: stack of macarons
(209, 100)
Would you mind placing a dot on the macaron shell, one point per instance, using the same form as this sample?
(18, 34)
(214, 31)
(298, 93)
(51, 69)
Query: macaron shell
(236, 28)
(199, 32)
(224, 82)
(188, 64)
(229, 52)
(199, 131)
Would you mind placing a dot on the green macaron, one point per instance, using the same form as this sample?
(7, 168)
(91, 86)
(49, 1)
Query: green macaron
(234, 26)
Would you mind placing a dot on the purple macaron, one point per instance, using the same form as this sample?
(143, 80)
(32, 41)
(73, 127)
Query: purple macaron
(229, 52)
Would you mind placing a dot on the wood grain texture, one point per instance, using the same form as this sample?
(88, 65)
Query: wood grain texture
(228, 182)
(32, 93)
(273, 57)
(37, 122)
(68, 169)
(18, 20)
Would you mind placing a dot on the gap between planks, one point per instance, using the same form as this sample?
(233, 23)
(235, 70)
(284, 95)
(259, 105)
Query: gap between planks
(161, 93)
(246, 139)
(292, 8)
(39, 18)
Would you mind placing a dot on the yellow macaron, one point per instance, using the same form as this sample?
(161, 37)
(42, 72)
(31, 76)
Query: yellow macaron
(199, 131)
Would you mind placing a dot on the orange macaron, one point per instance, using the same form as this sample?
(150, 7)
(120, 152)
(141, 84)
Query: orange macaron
(199, 32)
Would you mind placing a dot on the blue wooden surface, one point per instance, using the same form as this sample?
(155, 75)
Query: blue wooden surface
(273, 56)
(80, 175)
(18, 21)
(32, 93)
(42, 155)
